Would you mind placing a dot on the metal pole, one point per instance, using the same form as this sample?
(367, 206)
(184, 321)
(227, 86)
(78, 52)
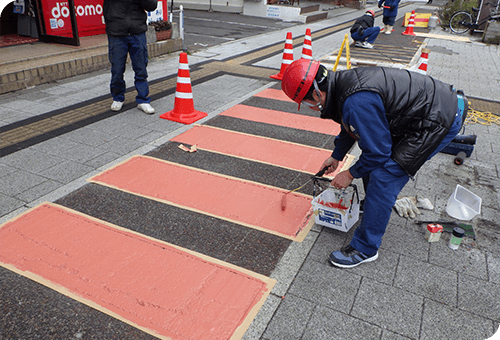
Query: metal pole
(210, 9)
(181, 27)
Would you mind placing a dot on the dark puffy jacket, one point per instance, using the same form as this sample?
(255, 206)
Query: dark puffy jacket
(363, 21)
(124, 17)
(420, 109)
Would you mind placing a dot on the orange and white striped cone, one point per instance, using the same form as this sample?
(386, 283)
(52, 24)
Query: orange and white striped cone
(424, 57)
(287, 56)
(411, 24)
(307, 47)
(183, 111)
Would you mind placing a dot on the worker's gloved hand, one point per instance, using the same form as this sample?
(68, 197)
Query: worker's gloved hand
(391, 7)
(379, 5)
(406, 207)
(424, 203)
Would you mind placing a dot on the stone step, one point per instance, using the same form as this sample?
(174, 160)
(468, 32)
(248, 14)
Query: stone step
(315, 16)
(309, 9)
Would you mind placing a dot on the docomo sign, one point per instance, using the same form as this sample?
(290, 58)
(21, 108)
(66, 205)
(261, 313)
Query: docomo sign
(81, 11)
(89, 17)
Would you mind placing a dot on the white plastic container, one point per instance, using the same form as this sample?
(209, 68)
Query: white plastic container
(463, 204)
(336, 218)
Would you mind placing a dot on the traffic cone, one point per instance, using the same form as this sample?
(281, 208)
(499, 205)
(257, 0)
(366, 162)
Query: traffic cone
(183, 111)
(287, 56)
(424, 56)
(307, 47)
(411, 24)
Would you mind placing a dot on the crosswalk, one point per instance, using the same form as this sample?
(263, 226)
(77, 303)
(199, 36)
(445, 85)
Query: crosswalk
(181, 244)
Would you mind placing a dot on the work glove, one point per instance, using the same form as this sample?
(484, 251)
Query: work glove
(424, 203)
(379, 5)
(406, 207)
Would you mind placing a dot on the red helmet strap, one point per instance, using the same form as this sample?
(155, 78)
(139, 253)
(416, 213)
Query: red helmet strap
(318, 92)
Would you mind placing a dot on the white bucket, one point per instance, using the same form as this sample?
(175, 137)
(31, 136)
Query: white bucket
(463, 204)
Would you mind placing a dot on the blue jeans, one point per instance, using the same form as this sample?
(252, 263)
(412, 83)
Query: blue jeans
(118, 48)
(383, 187)
(370, 34)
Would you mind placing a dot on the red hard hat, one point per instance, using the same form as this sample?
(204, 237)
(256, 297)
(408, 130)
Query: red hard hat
(371, 12)
(298, 78)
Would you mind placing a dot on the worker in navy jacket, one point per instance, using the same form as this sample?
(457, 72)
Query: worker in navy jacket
(398, 118)
(389, 15)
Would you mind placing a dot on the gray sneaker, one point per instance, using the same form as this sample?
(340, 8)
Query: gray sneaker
(147, 108)
(349, 257)
(367, 44)
(116, 106)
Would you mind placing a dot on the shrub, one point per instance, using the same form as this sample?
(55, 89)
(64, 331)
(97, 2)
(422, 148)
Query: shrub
(451, 7)
(161, 25)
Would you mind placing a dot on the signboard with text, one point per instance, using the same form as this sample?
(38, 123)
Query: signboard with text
(89, 17)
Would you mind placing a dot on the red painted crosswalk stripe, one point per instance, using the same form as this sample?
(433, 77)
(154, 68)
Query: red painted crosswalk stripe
(267, 150)
(274, 94)
(247, 203)
(166, 291)
(291, 120)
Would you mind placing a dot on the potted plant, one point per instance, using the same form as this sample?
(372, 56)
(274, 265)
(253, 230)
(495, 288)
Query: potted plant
(163, 29)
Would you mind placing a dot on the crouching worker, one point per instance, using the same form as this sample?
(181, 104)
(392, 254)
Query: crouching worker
(363, 32)
(399, 119)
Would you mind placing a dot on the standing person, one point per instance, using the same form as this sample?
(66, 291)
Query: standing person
(389, 15)
(399, 119)
(363, 32)
(126, 29)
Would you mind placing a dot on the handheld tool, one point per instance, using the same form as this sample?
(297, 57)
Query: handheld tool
(318, 175)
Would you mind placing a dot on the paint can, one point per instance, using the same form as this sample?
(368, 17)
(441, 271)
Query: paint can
(456, 238)
(433, 232)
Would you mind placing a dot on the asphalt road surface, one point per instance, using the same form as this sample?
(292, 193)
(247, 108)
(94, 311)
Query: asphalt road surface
(204, 29)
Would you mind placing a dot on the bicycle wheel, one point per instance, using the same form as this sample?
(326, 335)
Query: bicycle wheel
(460, 22)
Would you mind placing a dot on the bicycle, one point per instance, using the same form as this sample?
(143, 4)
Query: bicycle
(462, 21)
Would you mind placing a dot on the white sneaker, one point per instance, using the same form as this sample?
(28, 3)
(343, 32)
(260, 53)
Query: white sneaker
(367, 44)
(147, 108)
(358, 44)
(116, 106)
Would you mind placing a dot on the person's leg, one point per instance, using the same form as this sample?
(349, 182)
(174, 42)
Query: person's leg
(384, 185)
(356, 37)
(372, 34)
(117, 54)
(390, 23)
(139, 58)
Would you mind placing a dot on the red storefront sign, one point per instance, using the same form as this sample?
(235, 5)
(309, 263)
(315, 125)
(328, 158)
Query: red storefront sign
(89, 17)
